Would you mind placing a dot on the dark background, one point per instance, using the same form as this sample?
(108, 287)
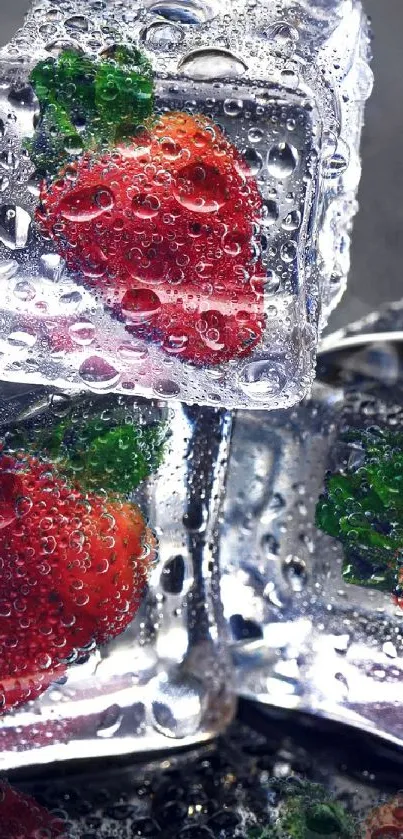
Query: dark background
(376, 275)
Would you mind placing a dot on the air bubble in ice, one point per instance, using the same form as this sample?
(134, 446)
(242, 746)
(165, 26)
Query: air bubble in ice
(261, 379)
(282, 160)
(212, 63)
(177, 705)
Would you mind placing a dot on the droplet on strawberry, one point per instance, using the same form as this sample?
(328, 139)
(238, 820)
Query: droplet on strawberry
(73, 570)
(163, 228)
(21, 817)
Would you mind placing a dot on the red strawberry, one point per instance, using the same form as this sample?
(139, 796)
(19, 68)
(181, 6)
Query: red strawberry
(21, 817)
(163, 230)
(385, 822)
(73, 569)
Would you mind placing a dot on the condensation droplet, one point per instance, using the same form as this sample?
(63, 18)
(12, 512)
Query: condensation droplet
(15, 224)
(176, 705)
(261, 379)
(209, 63)
(82, 333)
(99, 374)
(282, 160)
(166, 388)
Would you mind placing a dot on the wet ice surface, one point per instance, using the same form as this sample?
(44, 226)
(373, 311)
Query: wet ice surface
(303, 636)
(287, 89)
(162, 679)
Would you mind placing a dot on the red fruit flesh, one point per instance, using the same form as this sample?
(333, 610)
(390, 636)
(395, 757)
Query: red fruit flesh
(21, 817)
(163, 230)
(72, 571)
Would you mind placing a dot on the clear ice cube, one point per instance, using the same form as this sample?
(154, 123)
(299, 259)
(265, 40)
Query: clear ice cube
(112, 638)
(207, 279)
(312, 534)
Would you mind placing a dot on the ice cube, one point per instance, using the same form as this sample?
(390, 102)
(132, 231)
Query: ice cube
(197, 164)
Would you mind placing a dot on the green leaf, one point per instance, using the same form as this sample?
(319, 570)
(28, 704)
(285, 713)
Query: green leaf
(87, 104)
(97, 456)
(363, 509)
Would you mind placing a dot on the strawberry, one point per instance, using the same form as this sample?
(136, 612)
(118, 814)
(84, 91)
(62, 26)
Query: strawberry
(21, 817)
(385, 822)
(73, 569)
(162, 228)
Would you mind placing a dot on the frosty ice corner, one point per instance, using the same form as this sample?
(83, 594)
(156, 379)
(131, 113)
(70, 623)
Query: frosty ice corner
(178, 181)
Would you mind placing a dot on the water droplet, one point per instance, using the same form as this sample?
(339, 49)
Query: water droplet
(282, 160)
(173, 575)
(270, 213)
(233, 107)
(145, 206)
(288, 251)
(252, 161)
(164, 36)
(262, 379)
(283, 36)
(134, 351)
(77, 23)
(192, 12)
(8, 268)
(86, 204)
(255, 134)
(52, 266)
(210, 63)
(22, 339)
(338, 163)
(200, 188)
(292, 221)
(15, 224)
(166, 388)
(294, 571)
(25, 291)
(140, 305)
(272, 283)
(177, 705)
(98, 374)
(82, 333)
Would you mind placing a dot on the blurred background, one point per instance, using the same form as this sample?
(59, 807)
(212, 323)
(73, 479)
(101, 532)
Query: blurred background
(377, 266)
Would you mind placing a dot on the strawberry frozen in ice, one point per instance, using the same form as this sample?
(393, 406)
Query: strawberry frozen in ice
(157, 214)
(21, 817)
(162, 228)
(73, 570)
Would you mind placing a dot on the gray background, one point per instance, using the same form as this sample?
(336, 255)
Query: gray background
(376, 275)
